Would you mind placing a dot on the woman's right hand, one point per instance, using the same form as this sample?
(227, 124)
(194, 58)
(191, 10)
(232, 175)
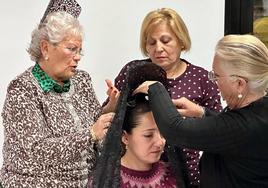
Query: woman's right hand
(101, 126)
(188, 108)
(113, 94)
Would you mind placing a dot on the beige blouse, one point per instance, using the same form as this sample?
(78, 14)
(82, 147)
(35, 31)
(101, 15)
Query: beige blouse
(47, 141)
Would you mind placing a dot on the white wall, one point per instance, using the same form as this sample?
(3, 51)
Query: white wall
(112, 35)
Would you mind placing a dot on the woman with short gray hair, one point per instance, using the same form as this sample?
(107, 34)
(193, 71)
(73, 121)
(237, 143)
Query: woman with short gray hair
(53, 122)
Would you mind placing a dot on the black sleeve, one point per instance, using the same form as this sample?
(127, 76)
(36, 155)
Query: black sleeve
(209, 112)
(214, 133)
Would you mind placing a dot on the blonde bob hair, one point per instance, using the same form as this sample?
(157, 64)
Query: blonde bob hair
(56, 27)
(172, 19)
(247, 57)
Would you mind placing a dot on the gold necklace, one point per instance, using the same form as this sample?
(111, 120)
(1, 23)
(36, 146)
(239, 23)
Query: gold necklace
(179, 69)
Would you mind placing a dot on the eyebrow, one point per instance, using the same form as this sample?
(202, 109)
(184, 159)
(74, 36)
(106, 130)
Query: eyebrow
(72, 43)
(69, 44)
(153, 129)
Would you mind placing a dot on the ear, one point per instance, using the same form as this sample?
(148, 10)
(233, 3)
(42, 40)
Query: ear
(44, 47)
(241, 85)
(125, 138)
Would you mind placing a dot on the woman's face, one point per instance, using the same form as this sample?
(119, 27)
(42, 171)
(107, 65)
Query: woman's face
(163, 47)
(63, 58)
(144, 145)
(226, 83)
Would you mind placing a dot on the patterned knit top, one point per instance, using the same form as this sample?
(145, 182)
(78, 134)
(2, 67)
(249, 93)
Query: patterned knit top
(160, 176)
(47, 139)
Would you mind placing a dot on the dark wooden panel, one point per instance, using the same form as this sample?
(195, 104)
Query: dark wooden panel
(238, 16)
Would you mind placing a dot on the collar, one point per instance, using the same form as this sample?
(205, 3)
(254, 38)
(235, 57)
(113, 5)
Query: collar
(48, 84)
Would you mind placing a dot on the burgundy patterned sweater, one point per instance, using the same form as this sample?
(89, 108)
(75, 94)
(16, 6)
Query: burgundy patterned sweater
(160, 176)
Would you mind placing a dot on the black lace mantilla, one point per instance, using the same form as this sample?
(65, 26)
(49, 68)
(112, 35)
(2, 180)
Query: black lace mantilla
(107, 171)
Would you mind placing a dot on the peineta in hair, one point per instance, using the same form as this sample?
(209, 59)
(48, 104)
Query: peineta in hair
(142, 71)
(69, 6)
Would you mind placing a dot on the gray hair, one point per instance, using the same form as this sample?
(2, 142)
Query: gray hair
(54, 29)
(245, 56)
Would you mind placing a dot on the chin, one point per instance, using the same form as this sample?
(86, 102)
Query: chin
(155, 159)
(161, 62)
(69, 75)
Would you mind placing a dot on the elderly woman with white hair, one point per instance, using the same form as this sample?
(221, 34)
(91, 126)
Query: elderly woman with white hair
(234, 141)
(52, 119)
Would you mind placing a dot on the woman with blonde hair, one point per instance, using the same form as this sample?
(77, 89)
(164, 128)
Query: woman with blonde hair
(234, 141)
(163, 37)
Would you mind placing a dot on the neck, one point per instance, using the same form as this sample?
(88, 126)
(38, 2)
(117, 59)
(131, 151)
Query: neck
(135, 164)
(176, 70)
(45, 68)
(249, 98)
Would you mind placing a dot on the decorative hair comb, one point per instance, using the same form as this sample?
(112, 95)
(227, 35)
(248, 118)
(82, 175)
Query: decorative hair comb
(142, 70)
(69, 6)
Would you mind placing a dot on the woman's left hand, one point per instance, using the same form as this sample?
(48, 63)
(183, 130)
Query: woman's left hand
(101, 126)
(113, 94)
(144, 87)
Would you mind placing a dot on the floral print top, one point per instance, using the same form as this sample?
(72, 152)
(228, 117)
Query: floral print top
(47, 139)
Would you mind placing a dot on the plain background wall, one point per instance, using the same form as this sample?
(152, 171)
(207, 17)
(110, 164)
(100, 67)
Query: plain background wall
(111, 35)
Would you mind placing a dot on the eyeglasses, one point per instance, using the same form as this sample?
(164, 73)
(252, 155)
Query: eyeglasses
(212, 76)
(72, 50)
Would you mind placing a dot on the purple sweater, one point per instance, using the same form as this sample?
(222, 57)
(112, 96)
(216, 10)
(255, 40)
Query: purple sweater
(194, 85)
(159, 176)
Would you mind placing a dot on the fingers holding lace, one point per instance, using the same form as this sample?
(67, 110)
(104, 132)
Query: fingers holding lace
(99, 129)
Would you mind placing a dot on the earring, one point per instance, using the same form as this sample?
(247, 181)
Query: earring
(239, 96)
(46, 58)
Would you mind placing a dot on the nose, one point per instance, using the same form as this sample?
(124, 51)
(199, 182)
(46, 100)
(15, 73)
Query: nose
(160, 141)
(77, 57)
(159, 47)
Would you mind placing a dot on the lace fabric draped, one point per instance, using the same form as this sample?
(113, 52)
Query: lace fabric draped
(107, 170)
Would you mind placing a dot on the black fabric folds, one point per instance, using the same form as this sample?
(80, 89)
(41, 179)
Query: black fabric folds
(107, 170)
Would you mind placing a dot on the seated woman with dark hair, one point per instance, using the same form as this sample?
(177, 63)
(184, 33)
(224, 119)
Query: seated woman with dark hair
(143, 145)
(134, 129)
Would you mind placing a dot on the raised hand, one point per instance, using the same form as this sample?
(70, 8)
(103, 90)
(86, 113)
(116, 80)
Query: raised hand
(188, 108)
(143, 88)
(113, 94)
